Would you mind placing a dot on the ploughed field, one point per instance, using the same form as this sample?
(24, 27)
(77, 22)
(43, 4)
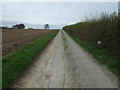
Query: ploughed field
(13, 39)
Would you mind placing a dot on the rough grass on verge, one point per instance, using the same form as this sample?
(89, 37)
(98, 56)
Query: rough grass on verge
(103, 29)
(101, 55)
(15, 63)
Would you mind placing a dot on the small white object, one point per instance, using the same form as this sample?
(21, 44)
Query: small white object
(43, 77)
(99, 42)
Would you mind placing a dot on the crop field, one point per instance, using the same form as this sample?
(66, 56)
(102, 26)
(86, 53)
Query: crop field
(13, 39)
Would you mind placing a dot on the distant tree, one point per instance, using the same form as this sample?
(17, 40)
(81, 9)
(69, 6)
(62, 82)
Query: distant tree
(14, 27)
(18, 26)
(5, 27)
(30, 28)
(46, 26)
(22, 26)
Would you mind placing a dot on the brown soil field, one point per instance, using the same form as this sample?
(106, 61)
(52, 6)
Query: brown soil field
(13, 39)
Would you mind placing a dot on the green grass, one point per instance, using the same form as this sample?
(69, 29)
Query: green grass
(14, 64)
(101, 55)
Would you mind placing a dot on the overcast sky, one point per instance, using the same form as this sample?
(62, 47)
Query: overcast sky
(56, 14)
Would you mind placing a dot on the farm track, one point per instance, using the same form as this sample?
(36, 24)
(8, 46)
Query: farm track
(15, 39)
(64, 64)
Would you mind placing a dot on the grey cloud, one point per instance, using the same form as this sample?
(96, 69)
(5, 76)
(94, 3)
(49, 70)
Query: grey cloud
(57, 14)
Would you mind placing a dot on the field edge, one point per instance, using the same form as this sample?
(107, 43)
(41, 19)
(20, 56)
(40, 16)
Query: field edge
(15, 63)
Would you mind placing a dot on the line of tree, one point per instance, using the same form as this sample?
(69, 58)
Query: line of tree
(22, 26)
(30, 28)
(17, 26)
(5, 27)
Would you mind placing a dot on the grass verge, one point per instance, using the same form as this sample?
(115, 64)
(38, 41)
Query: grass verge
(14, 64)
(99, 54)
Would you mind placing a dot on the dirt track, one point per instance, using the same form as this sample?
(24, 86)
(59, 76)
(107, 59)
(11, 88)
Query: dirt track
(64, 64)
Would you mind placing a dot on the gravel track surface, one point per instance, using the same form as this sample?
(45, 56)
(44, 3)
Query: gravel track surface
(64, 64)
